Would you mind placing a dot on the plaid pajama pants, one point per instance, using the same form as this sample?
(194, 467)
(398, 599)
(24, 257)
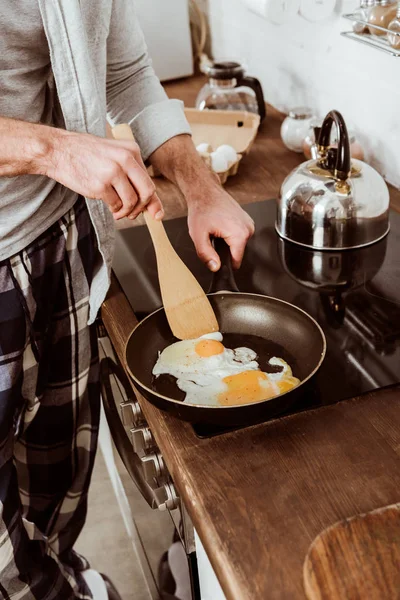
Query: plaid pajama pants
(49, 410)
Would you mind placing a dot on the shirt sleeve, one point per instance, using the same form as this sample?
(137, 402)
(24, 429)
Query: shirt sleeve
(134, 92)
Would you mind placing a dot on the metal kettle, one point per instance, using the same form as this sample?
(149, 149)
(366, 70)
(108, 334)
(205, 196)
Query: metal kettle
(333, 202)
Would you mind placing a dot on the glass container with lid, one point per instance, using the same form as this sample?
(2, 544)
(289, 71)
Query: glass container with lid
(295, 127)
(394, 28)
(362, 13)
(229, 88)
(381, 14)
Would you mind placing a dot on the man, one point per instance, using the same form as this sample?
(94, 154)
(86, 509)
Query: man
(64, 64)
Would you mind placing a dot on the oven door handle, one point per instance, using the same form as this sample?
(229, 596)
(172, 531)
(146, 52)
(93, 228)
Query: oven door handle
(161, 498)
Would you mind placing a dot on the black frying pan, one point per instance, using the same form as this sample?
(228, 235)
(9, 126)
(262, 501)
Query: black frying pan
(269, 326)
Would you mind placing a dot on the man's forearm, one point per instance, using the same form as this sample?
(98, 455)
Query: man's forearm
(179, 162)
(24, 147)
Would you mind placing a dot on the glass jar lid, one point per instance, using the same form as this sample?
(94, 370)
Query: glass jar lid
(301, 113)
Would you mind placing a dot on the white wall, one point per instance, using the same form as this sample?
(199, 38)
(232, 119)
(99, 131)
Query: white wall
(310, 63)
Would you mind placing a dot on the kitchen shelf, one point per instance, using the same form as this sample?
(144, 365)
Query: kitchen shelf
(368, 39)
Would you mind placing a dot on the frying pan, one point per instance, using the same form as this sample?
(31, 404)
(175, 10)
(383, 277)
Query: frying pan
(269, 326)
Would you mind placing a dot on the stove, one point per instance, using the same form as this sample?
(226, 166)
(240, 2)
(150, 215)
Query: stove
(354, 295)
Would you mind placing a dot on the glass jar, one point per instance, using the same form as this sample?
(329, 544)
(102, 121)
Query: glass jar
(381, 14)
(310, 148)
(394, 28)
(362, 13)
(295, 128)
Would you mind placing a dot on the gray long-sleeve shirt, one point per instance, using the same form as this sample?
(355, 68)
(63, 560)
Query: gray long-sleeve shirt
(77, 61)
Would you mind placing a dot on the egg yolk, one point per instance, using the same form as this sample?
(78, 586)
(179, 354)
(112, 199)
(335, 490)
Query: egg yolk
(244, 388)
(287, 384)
(207, 348)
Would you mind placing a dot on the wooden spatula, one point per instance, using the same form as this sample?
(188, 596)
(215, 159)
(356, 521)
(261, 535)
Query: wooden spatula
(187, 307)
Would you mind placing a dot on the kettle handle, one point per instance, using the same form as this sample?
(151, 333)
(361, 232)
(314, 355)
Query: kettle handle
(343, 160)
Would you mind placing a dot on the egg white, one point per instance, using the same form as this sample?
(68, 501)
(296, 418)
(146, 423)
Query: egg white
(181, 360)
(201, 378)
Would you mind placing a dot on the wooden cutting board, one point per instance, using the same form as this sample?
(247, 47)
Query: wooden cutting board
(356, 559)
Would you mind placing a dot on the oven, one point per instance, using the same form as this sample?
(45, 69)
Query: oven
(157, 522)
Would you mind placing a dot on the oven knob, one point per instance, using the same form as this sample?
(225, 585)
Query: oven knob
(167, 496)
(142, 440)
(154, 469)
(131, 414)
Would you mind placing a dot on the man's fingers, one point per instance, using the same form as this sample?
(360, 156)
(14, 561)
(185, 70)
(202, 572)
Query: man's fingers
(141, 181)
(237, 246)
(128, 196)
(205, 250)
(155, 207)
(111, 198)
(238, 242)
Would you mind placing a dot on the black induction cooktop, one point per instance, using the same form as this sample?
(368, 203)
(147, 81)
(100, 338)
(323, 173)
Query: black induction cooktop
(354, 295)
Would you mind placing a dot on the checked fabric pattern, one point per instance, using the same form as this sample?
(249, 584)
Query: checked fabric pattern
(49, 410)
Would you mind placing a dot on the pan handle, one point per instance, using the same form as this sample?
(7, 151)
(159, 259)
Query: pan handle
(161, 498)
(224, 279)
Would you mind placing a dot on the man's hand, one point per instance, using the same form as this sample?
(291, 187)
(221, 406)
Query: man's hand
(108, 170)
(213, 212)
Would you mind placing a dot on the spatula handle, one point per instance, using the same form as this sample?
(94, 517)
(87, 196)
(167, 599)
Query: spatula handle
(187, 308)
(162, 246)
(161, 242)
(156, 228)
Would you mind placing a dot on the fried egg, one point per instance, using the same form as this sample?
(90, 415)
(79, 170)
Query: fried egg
(213, 375)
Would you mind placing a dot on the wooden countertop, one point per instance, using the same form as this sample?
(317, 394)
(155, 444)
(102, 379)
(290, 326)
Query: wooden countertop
(261, 171)
(258, 497)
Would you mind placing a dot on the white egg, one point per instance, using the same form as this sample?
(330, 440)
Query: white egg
(219, 163)
(213, 375)
(204, 147)
(228, 152)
